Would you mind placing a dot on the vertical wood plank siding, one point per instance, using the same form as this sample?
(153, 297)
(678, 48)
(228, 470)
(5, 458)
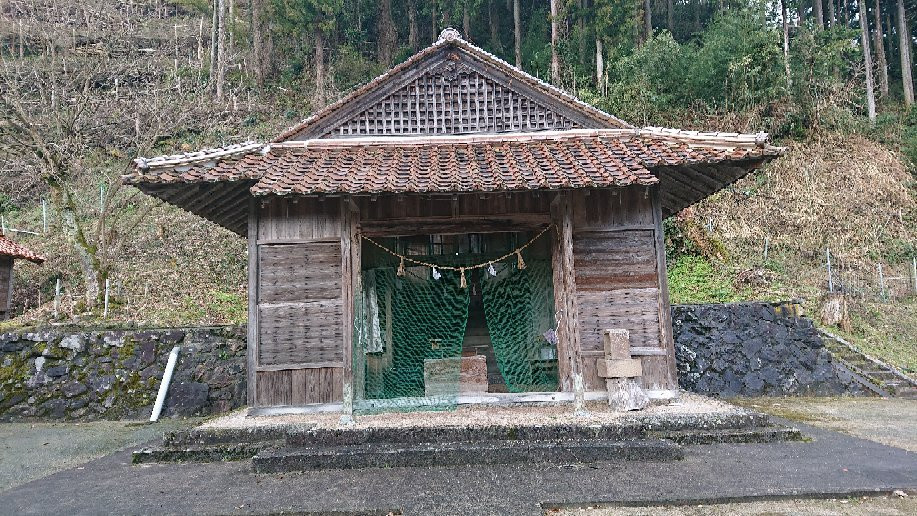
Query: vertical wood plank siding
(619, 278)
(299, 303)
(6, 286)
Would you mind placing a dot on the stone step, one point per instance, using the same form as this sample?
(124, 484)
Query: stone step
(461, 454)
(770, 434)
(636, 428)
(200, 453)
(216, 436)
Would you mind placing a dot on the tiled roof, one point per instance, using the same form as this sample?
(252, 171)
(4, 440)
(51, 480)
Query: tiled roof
(13, 250)
(207, 165)
(520, 161)
(527, 161)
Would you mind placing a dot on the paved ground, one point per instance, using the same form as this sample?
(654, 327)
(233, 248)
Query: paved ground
(887, 505)
(33, 450)
(887, 421)
(832, 462)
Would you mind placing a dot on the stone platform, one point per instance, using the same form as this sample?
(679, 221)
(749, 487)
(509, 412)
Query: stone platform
(467, 435)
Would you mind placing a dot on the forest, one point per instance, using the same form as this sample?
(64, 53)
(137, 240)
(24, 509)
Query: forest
(86, 87)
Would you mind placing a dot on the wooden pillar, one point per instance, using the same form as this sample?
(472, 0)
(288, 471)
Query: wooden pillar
(252, 344)
(666, 339)
(350, 282)
(568, 339)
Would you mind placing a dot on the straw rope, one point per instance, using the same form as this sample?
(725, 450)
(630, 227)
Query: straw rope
(520, 264)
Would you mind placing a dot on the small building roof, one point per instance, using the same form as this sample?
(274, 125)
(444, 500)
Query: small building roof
(11, 249)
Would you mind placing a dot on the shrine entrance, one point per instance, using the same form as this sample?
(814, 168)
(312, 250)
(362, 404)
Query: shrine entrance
(444, 317)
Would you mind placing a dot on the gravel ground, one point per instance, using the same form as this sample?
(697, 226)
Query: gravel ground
(892, 505)
(469, 416)
(29, 451)
(887, 421)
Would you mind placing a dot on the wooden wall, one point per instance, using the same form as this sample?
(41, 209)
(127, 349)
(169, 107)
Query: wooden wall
(619, 276)
(304, 262)
(6, 286)
(298, 356)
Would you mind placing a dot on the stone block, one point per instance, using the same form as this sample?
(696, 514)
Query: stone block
(617, 343)
(619, 368)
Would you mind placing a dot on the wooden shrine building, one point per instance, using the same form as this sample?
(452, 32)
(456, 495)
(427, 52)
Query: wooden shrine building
(10, 252)
(453, 218)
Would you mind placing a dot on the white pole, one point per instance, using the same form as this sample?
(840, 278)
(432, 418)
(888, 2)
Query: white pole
(767, 242)
(2, 225)
(164, 386)
(830, 279)
(101, 198)
(44, 215)
(882, 291)
(56, 298)
(914, 273)
(105, 310)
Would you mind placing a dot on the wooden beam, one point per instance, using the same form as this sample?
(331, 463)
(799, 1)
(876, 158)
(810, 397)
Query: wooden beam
(665, 311)
(455, 225)
(252, 345)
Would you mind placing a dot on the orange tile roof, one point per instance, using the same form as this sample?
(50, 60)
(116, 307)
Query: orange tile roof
(13, 250)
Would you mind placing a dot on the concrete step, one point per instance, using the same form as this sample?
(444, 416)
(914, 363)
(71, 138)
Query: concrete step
(770, 434)
(460, 454)
(200, 453)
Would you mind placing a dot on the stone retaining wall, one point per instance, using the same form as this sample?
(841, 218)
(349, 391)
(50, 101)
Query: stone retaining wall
(59, 374)
(753, 349)
(726, 350)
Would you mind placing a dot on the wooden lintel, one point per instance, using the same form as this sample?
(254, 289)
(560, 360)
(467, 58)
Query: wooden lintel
(454, 225)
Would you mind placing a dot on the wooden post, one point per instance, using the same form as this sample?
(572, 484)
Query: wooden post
(252, 344)
(620, 372)
(568, 341)
(666, 337)
(350, 256)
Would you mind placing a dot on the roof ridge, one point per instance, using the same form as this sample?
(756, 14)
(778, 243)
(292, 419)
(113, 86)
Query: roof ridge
(170, 160)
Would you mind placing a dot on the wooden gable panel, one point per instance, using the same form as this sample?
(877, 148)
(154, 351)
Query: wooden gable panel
(452, 97)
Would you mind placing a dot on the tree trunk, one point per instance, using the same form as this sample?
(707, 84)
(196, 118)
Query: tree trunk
(413, 40)
(388, 38)
(517, 33)
(786, 43)
(221, 48)
(319, 97)
(818, 12)
(670, 15)
(466, 21)
(435, 19)
(801, 11)
(258, 47)
(647, 19)
(831, 21)
(493, 22)
(867, 59)
(214, 31)
(881, 62)
(599, 66)
(555, 58)
(904, 50)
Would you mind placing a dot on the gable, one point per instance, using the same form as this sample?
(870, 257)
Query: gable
(452, 87)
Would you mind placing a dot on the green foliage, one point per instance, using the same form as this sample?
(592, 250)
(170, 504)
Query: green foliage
(692, 279)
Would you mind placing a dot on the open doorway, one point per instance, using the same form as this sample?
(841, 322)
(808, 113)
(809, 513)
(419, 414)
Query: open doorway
(451, 315)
